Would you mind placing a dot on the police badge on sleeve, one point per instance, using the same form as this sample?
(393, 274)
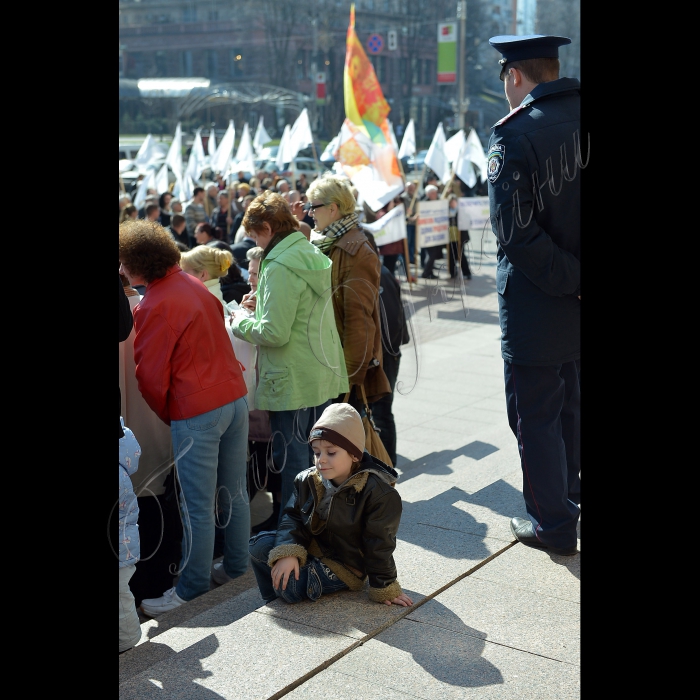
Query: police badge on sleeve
(496, 156)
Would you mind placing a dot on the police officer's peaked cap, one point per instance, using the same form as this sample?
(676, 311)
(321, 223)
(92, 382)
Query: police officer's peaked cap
(520, 48)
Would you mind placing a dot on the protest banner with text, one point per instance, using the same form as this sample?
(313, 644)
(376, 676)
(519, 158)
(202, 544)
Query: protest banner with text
(389, 228)
(473, 213)
(433, 223)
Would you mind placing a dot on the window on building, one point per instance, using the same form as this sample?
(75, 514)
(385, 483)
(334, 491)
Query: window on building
(161, 64)
(186, 64)
(429, 73)
(236, 63)
(213, 15)
(212, 63)
(415, 71)
(189, 14)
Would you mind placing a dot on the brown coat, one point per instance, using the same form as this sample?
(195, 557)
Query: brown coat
(355, 277)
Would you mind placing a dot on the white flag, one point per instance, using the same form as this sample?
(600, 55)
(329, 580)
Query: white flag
(245, 154)
(373, 189)
(162, 181)
(464, 169)
(408, 142)
(174, 157)
(148, 183)
(475, 152)
(147, 152)
(472, 155)
(222, 155)
(197, 162)
(436, 159)
(261, 137)
(331, 148)
(279, 161)
(394, 143)
(184, 188)
(211, 143)
(299, 136)
(453, 146)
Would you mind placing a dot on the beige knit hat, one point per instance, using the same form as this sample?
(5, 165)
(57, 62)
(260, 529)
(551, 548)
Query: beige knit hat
(341, 424)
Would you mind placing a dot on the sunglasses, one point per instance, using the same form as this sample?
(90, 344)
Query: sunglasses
(311, 207)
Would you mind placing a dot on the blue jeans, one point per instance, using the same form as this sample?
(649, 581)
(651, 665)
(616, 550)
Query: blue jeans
(315, 578)
(291, 451)
(214, 467)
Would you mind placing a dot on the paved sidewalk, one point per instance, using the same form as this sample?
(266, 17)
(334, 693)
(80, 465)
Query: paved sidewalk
(492, 618)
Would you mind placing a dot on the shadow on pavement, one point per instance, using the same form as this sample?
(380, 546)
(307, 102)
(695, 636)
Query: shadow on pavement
(452, 656)
(438, 462)
(176, 678)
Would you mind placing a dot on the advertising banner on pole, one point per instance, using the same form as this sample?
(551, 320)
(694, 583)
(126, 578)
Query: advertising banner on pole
(433, 223)
(473, 214)
(447, 53)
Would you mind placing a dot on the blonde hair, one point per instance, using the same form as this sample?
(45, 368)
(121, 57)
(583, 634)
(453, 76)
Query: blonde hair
(333, 189)
(255, 253)
(215, 261)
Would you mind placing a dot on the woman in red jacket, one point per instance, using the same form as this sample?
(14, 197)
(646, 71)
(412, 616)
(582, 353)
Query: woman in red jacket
(188, 374)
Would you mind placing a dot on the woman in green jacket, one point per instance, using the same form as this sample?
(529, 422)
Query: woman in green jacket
(300, 362)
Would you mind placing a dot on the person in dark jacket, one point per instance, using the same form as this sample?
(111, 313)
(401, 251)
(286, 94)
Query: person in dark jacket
(534, 156)
(233, 286)
(339, 528)
(394, 335)
(240, 251)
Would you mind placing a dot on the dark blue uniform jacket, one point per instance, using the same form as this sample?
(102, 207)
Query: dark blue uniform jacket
(534, 163)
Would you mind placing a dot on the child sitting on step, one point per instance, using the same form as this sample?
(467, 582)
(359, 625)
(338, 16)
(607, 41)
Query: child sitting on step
(339, 528)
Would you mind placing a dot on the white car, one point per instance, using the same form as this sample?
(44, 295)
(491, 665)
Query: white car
(299, 165)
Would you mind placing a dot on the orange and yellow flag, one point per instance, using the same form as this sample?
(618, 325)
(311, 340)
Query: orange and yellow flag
(365, 105)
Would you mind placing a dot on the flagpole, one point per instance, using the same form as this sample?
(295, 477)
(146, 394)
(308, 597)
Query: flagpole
(444, 195)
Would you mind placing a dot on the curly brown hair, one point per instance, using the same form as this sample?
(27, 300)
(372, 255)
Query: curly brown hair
(272, 208)
(147, 249)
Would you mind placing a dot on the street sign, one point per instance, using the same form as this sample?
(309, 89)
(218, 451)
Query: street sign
(392, 41)
(375, 43)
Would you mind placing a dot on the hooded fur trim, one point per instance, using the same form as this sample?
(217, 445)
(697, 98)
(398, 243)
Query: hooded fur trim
(357, 481)
(287, 550)
(379, 595)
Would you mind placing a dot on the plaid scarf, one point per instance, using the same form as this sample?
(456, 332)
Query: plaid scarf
(335, 230)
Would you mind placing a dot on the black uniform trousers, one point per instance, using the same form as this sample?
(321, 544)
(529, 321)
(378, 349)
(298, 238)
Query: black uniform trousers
(544, 411)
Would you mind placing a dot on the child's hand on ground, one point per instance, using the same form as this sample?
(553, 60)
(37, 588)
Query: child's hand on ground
(282, 570)
(402, 599)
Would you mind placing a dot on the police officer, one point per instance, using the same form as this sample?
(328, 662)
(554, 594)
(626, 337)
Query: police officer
(534, 172)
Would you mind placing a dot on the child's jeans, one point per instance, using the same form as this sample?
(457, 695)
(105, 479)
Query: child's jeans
(315, 578)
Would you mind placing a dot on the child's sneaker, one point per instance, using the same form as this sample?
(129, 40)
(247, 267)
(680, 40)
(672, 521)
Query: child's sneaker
(167, 602)
(219, 575)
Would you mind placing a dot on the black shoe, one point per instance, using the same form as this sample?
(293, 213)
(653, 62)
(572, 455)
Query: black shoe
(523, 532)
(429, 276)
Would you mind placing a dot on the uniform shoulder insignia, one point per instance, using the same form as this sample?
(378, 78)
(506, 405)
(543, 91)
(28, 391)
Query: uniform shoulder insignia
(496, 156)
(508, 116)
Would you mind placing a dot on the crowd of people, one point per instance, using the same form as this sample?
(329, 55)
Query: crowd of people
(303, 285)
